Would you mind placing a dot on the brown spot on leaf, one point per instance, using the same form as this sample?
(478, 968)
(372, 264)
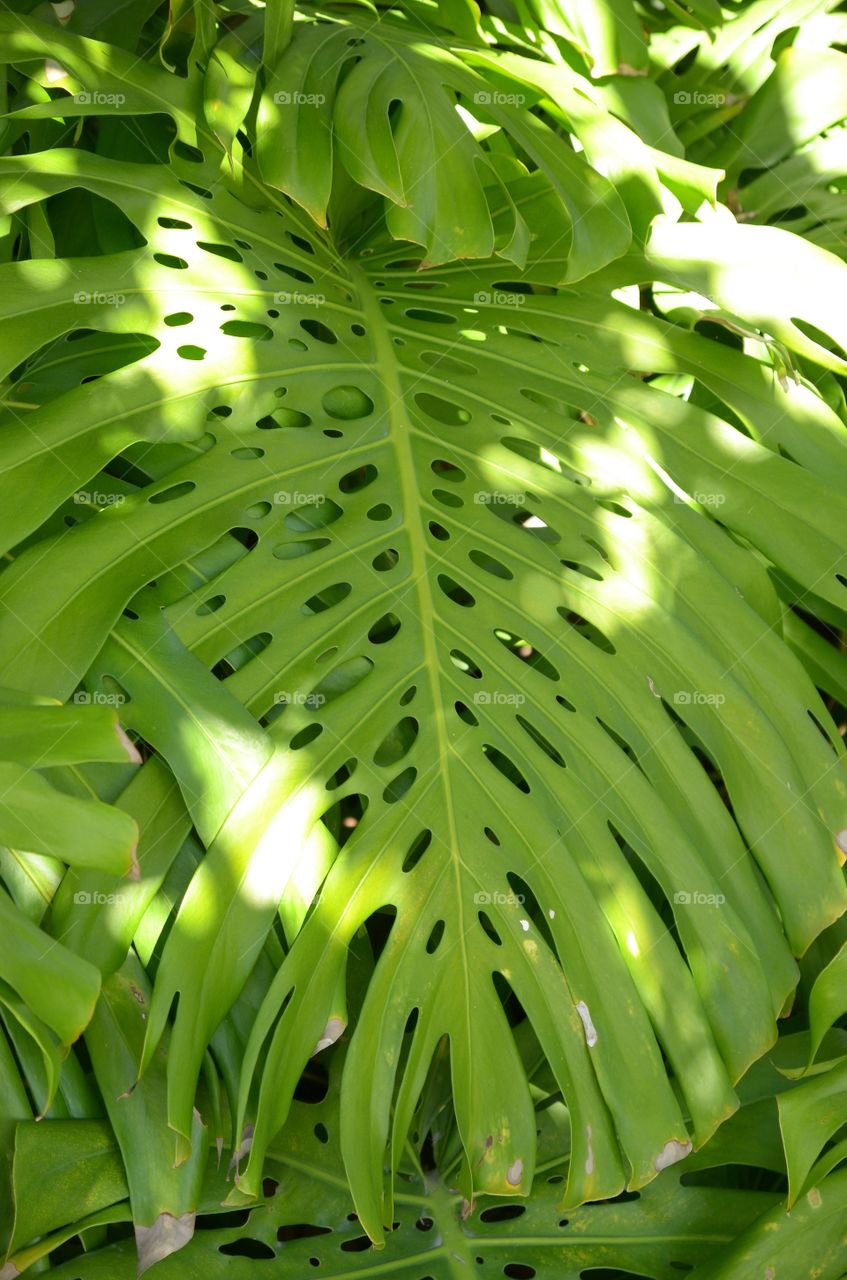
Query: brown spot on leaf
(166, 1236)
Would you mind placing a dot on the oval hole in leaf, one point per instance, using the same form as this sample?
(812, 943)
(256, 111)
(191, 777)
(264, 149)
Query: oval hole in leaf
(506, 767)
(434, 940)
(247, 329)
(417, 849)
(319, 331)
(175, 491)
(454, 591)
(169, 260)
(347, 403)
(220, 250)
(358, 479)
(397, 743)
(444, 411)
(384, 629)
(326, 598)
(399, 786)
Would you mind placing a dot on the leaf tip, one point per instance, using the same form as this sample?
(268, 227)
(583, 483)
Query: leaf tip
(166, 1236)
(332, 1031)
(132, 752)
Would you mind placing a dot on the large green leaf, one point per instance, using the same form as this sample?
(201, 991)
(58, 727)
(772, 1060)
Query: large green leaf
(64, 1170)
(163, 1195)
(423, 519)
(707, 1213)
(48, 990)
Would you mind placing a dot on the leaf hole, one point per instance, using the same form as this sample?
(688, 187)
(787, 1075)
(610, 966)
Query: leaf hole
(540, 741)
(342, 774)
(433, 942)
(170, 260)
(417, 849)
(506, 767)
(302, 1230)
(465, 664)
(488, 928)
(447, 499)
(247, 329)
(397, 743)
(384, 629)
(319, 331)
(220, 250)
(385, 560)
(444, 411)
(503, 1213)
(400, 786)
(294, 550)
(347, 403)
(427, 316)
(448, 470)
(489, 565)
(210, 606)
(455, 591)
(301, 242)
(247, 1248)
(305, 736)
(174, 492)
(358, 479)
(327, 598)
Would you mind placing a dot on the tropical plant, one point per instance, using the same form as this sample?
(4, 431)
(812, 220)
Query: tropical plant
(423, 474)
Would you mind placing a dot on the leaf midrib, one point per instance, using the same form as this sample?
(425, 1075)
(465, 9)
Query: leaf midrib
(399, 434)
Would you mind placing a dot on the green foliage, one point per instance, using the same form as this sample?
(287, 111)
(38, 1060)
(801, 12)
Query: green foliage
(408, 435)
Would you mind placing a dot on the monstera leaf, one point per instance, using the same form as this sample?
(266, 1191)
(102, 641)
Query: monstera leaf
(48, 991)
(450, 586)
(719, 1211)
